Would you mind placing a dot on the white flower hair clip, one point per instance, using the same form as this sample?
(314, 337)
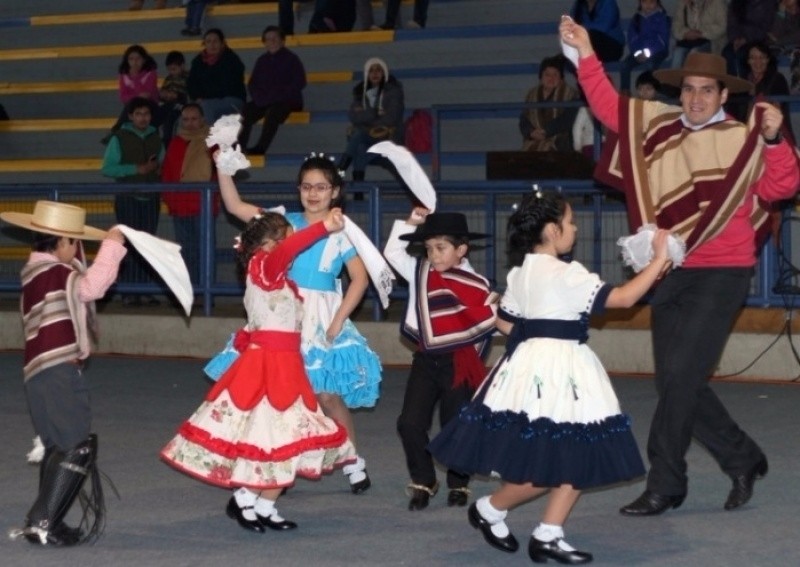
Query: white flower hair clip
(537, 191)
(237, 243)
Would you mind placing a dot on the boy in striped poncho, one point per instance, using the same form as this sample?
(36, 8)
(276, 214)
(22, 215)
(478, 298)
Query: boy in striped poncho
(450, 317)
(57, 305)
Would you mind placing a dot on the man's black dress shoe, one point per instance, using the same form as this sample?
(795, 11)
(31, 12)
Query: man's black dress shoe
(742, 489)
(508, 543)
(268, 522)
(541, 551)
(458, 496)
(419, 499)
(234, 512)
(651, 504)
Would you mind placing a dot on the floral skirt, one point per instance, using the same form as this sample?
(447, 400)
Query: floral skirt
(259, 427)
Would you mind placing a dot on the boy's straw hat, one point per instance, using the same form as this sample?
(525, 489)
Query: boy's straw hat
(699, 64)
(60, 219)
(442, 224)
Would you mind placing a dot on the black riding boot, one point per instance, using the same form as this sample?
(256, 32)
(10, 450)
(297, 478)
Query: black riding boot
(63, 475)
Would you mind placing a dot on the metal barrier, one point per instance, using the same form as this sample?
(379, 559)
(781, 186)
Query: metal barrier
(601, 221)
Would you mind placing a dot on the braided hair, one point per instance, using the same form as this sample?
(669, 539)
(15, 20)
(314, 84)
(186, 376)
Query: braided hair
(526, 225)
(266, 225)
(326, 165)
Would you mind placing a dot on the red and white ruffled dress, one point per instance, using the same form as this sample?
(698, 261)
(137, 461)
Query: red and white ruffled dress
(260, 425)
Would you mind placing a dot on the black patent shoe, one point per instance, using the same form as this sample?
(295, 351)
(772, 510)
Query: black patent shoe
(541, 551)
(742, 489)
(420, 495)
(508, 544)
(651, 504)
(458, 496)
(235, 513)
(361, 485)
(278, 526)
(59, 536)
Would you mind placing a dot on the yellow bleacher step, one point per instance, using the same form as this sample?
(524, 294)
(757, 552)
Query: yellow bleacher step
(64, 124)
(112, 84)
(72, 164)
(191, 45)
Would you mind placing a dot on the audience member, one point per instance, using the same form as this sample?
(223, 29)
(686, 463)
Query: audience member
(393, 11)
(761, 70)
(648, 40)
(747, 21)
(784, 37)
(173, 93)
(216, 78)
(138, 4)
(548, 128)
(376, 114)
(188, 160)
(698, 25)
(647, 86)
(583, 133)
(133, 155)
(138, 77)
(601, 19)
(332, 16)
(195, 10)
(364, 15)
(276, 90)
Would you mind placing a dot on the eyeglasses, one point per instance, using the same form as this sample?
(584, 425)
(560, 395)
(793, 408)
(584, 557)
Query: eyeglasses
(317, 187)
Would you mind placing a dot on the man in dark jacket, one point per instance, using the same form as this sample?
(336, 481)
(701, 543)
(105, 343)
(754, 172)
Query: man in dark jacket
(276, 90)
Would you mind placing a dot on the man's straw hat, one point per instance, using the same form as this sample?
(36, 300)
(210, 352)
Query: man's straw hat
(60, 219)
(709, 65)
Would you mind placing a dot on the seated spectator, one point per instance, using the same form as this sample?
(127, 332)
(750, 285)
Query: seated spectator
(195, 10)
(546, 128)
(138, 77)
(698, 25)
(216, 78)
(762, 71)
(173, 93)
(188, 160)
(601, 20)
(138, 4)
(133, 155)
(393, 11)
(332, 16)
(648, 41)
(747, 21)
(647, 86)
(784, 37)
(376, 114)
(276, 90)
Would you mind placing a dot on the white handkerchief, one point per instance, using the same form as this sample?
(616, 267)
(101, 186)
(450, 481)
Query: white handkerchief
(378, 270)
(409, 169)
(637, 249)
(166, 259)
(230, 160)
(225, 131)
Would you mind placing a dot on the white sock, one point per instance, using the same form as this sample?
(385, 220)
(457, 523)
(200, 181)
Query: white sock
(549, 532)
(246, 499)
(264, 507)
(356, 472)
(494, 516)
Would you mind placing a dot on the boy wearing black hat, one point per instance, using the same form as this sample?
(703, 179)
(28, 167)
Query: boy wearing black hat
(450, 318)
(58, 318)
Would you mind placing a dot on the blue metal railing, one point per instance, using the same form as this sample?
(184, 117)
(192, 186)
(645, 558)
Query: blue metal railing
(486, 204)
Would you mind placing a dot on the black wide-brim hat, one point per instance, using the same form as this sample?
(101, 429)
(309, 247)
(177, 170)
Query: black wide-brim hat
(443, 224)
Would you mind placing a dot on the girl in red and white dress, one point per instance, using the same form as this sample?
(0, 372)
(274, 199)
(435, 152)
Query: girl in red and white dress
(260, 425)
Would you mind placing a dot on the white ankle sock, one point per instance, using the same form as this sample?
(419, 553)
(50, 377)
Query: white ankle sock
(548, 532)
(246, 499)
(264, 507)
(356, 472)
(494, 516)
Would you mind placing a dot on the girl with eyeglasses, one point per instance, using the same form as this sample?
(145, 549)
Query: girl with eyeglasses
(344, 372)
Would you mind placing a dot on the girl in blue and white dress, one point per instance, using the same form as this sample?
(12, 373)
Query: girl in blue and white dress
(546, 419)
(344, 372)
